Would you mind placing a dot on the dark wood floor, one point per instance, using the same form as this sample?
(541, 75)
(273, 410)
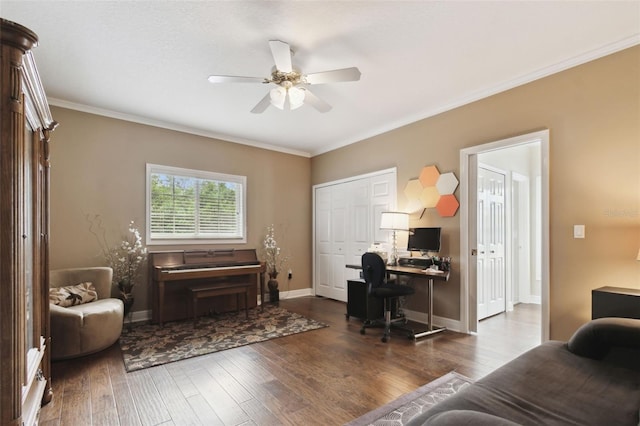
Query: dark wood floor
(324, 377)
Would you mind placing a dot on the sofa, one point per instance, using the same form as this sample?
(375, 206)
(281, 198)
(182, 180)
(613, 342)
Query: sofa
(87, 326)
(593, 379)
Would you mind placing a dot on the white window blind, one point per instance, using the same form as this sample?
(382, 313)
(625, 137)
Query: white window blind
(194, 205)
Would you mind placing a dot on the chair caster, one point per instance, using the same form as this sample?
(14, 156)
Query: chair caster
(362, 331)
(385, 339)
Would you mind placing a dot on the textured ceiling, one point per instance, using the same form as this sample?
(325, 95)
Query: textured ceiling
(149, 61)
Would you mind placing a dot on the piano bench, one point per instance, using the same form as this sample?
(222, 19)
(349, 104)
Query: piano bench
(204, 291)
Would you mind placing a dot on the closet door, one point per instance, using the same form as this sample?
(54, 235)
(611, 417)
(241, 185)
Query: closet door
(347, 222)
(382, 199)
(359, 224)
(340, 242)
(331, 239)
(322, 233)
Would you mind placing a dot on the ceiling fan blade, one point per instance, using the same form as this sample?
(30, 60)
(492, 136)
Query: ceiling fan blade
(234, 79)
(262, 105)
(345, 74)
(281, 55)
(316, 102)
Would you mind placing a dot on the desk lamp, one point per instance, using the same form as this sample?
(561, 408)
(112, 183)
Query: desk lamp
(394, 221)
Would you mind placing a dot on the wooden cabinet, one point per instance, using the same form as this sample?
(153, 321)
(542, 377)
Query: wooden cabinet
(25, 124)
(615, 302)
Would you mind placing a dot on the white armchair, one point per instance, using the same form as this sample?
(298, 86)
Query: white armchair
(91, 327)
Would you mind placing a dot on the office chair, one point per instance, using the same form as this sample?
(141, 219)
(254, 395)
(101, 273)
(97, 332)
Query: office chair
(374, 273)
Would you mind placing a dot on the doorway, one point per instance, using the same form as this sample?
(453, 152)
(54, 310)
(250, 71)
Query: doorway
(514, 290)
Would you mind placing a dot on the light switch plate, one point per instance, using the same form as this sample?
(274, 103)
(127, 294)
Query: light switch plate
(578, 231)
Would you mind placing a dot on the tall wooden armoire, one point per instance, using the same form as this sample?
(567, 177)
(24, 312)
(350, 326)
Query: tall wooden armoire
(25, 124)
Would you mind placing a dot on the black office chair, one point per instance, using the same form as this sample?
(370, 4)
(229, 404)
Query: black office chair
(374, 273)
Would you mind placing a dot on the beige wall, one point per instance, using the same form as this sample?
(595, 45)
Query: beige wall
(98, 167)
(592, 111)
(593, 114)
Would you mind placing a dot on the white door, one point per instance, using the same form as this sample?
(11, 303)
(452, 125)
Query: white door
(346, 222)
(491, 274)
(322, 233)
(339, 240)
(383, 199)
(359, 224)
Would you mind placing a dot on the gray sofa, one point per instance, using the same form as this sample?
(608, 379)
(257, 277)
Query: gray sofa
(594, 379)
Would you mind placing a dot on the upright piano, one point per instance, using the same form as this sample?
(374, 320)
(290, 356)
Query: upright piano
(171, 272)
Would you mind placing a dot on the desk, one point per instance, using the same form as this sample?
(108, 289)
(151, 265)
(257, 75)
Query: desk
(419, 273)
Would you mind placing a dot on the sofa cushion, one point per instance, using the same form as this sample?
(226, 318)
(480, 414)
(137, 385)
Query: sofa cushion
(73, 294)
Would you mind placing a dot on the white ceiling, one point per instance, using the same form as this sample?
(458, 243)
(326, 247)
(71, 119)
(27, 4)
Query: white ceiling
(149, 61)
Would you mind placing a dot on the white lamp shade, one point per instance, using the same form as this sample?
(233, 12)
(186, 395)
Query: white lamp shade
(397, 221)
(278, 96)
(296, 97)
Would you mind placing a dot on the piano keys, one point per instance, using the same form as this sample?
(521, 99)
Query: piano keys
(171, 272)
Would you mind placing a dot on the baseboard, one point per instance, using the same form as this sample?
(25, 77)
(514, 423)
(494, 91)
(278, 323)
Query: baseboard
(535, 300)
(139, 316)
(422, 317)
(291, 294)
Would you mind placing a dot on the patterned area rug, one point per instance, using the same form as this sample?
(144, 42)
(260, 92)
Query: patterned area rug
(149, 345)
(403, 409)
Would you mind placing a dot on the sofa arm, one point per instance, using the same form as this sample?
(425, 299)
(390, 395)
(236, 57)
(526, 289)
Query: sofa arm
(598, 338)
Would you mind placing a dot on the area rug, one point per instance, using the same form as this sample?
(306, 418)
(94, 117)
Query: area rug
(149, 345)
(403, 409)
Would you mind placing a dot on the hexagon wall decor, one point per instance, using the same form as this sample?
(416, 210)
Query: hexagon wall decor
(447, 183)
(433, 189)
(447, 205)
(429, 176)
(429, 197)
(412, 191)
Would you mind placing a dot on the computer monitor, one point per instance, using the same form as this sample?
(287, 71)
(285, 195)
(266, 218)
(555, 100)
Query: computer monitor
(424, 239)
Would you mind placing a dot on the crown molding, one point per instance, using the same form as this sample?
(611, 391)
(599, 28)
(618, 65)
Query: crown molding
(170, 126)
(572, 62)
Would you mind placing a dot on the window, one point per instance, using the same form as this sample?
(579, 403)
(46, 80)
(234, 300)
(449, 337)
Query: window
(192, 206)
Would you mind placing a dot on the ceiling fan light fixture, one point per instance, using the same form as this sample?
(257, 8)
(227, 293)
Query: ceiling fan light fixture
(278, 95)
(296, 97)
(287, 94)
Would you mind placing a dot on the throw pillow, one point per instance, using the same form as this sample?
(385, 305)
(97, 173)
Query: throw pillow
(73, 294)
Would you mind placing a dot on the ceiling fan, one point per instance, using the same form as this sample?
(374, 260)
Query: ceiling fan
(291, 85)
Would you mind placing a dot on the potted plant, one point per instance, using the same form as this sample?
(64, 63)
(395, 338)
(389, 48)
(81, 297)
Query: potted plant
(126, 260)
(274, 262)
